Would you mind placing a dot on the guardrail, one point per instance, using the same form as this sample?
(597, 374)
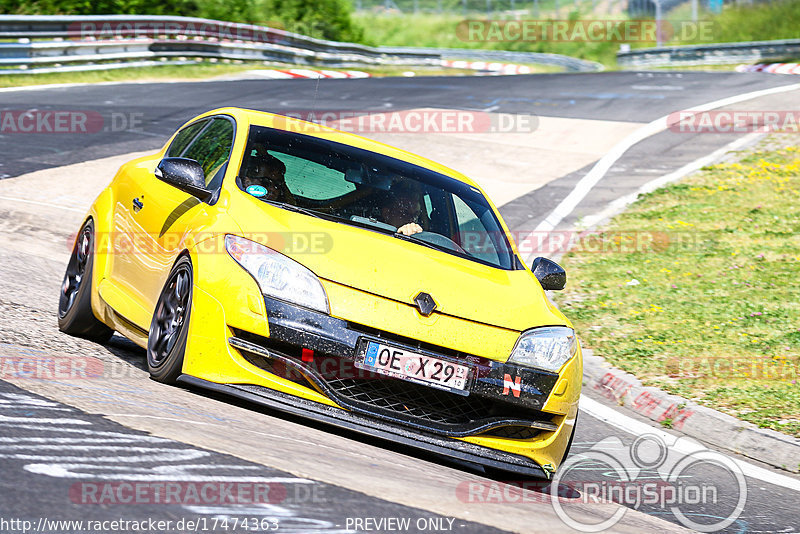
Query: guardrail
(98, 38)
(710, 54)
(572, 64)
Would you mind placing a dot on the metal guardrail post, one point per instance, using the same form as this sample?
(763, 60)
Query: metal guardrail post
(710, 54)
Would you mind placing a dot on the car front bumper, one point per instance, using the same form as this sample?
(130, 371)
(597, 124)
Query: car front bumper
(362, 424)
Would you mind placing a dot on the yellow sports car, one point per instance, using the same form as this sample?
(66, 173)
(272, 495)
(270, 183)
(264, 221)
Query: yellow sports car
(320, 273)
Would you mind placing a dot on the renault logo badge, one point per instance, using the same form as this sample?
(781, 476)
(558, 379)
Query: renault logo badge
(425, 304)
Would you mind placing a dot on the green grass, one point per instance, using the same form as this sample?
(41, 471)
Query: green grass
(441, 31)
(157, 73)
(762, 21)
(759, 22)
(715, 315)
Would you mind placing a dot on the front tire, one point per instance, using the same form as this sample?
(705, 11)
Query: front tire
(75, 315)
(169, 329)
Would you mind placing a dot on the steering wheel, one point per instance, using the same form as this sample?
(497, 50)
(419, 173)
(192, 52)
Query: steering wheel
(439, 240)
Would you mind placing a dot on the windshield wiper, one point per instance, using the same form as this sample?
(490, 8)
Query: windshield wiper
(428, 244)
(298, 209)
(371, 224)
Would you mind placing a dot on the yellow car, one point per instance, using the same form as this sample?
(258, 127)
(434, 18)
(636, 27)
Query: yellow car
(323, 274)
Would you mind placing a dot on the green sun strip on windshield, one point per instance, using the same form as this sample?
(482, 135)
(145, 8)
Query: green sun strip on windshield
(312, 180)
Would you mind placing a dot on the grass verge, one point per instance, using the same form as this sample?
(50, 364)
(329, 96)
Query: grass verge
(207, 71)
(441, 31)
(143, 74)
(756, 22)
(696, 292)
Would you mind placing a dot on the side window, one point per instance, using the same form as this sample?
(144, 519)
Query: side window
(183, 139)
(428, 205)
(437, 211)
(474, 237)
(211, 150)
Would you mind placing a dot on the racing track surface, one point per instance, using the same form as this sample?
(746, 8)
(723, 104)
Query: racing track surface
(197, 436)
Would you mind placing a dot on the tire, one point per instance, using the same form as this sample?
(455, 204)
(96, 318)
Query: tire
(75, 315)
(169, 329)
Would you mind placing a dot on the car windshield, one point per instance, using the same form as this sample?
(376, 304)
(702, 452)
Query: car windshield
(362, 188)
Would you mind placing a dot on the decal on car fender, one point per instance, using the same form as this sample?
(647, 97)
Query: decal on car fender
(512, 385)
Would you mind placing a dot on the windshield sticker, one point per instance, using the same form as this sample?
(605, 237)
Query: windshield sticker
(257, 190)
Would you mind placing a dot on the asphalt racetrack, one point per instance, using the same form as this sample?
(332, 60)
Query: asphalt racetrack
(61, 440)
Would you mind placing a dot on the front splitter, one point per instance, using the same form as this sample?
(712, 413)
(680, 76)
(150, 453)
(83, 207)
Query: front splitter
(343, 419)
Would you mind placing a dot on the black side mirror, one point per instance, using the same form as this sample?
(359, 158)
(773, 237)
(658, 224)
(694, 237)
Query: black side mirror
(185, 174)
(550, 274)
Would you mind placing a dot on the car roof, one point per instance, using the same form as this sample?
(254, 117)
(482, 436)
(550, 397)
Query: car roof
(291, 124)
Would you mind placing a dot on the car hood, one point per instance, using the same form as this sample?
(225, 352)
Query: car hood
(384, 265)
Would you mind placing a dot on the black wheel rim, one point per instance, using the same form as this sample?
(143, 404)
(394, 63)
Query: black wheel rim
(170, 316)
(76, 270)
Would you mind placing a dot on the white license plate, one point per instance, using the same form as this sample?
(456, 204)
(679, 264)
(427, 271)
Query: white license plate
(399, 363)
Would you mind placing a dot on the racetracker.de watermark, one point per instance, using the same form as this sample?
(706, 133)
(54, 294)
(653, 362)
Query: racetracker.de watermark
(611, 242)
(136, 243)
(205, 493)
(734, 121)
(50, 368)
(138, 29)
(601, 30)
(420, 121)
(19, 362)
(542, 243)
(779, 368)
(22, 366)
(47, 121)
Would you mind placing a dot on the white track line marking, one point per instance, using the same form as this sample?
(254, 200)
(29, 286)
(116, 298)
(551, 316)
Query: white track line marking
(4, 419)
(605, 163)
(29, 407)
(120, 439)
(315, 444)
(614, 418)
(47, 204)
(61, 446)
(70, 471)
(619, 204)
(168, 455)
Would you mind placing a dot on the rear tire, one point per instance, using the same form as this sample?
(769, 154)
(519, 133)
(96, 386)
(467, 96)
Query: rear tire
(169, 329)
(75, 315)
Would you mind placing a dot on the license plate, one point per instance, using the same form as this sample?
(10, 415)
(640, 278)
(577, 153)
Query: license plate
(407, 365)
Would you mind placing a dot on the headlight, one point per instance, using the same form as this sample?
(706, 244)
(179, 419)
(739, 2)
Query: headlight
(277, 275)
(545, 348)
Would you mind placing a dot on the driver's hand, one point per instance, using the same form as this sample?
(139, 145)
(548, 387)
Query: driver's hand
(409, 229)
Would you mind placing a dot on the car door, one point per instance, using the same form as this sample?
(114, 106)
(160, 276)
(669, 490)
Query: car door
(160, 215)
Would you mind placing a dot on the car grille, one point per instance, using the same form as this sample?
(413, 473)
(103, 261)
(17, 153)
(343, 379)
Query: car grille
(419, 405)
(413, 400)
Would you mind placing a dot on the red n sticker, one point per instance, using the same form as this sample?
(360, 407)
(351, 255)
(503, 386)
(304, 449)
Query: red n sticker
(512, 384)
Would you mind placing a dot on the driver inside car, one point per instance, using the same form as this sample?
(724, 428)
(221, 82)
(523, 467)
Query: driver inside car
(267, 171)
(402, 208)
